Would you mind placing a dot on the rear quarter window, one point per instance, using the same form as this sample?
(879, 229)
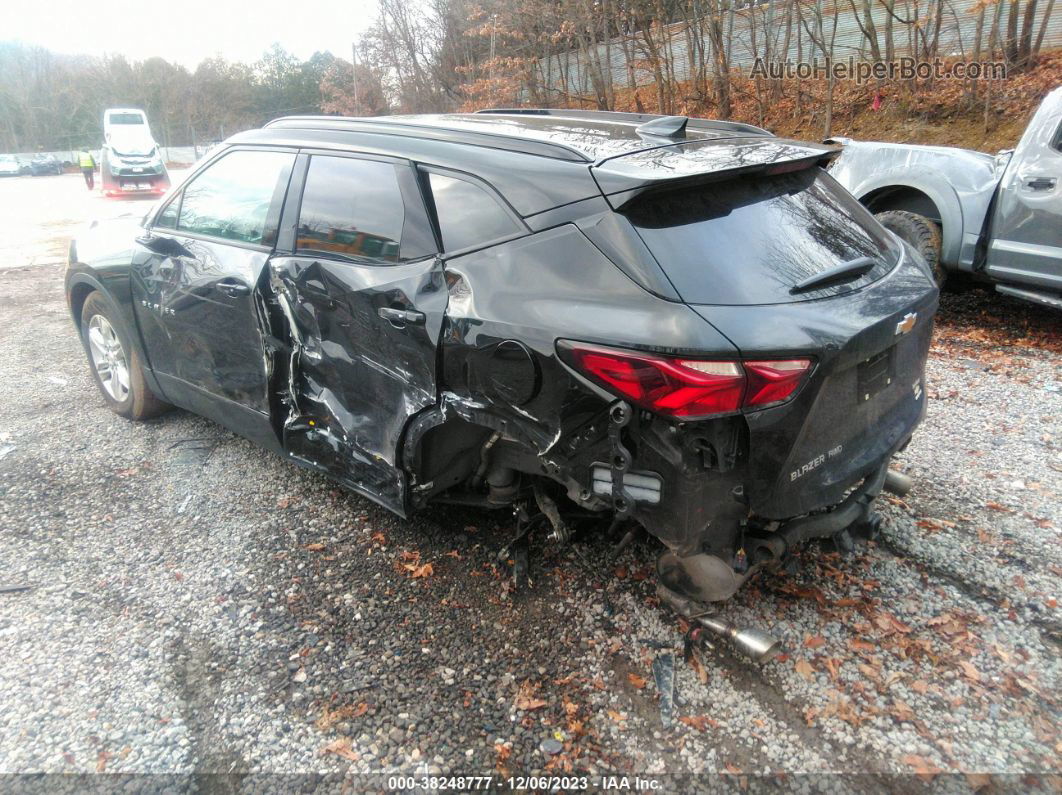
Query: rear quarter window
(468, 214)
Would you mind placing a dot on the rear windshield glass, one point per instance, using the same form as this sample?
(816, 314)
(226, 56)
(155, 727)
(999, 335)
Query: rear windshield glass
(748, 241)
(126, 118)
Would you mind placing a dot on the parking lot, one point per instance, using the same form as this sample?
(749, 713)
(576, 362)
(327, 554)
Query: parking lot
(197, 605)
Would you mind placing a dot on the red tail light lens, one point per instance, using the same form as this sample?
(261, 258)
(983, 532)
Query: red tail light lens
(687, 388)
(773, 381)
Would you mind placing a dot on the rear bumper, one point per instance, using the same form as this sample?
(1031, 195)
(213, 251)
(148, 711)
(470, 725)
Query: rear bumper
(854, 509)
(704, 502)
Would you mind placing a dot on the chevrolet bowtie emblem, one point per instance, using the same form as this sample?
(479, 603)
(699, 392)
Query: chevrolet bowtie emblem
(907, 323)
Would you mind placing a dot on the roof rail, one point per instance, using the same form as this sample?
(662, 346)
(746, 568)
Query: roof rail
(638, 118)
(440, 131)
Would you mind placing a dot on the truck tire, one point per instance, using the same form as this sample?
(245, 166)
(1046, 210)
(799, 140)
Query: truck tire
(921, 233)
(115, 364)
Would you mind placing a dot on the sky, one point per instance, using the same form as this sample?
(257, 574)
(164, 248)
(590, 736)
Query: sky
(189, 31)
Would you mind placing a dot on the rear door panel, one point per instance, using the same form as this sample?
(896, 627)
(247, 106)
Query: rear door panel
(356, 377)
(363, 297)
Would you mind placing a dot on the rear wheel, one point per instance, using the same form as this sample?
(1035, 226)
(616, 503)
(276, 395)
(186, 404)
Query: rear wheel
(116, 365)
(921, 233)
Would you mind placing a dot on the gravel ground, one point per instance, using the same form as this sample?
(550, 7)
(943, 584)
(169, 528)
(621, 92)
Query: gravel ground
(199, 606)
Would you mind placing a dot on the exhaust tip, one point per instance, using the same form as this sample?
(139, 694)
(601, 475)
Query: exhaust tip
(897, 483)
(757, 645)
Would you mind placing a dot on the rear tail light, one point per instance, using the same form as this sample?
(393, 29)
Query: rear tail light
(688, 388)
(773, 381)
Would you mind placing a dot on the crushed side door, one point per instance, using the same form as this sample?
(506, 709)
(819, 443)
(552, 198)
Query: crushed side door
(362, 361)
(359, 296)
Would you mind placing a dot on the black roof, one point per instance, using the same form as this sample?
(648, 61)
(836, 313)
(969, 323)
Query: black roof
(573, 135)
(541, 159)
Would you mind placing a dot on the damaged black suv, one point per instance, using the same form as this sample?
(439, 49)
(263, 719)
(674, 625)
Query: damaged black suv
(681, 323)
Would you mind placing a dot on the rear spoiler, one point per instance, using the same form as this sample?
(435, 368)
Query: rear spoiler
(623, 177)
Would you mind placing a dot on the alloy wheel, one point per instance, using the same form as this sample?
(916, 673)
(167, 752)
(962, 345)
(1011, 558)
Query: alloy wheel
(109, 359)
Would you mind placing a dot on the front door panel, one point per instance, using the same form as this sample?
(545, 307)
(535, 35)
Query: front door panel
(203, 326)
(1025, 243)
(364, 341)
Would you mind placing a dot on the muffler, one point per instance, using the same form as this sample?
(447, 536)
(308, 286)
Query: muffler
(753, 643)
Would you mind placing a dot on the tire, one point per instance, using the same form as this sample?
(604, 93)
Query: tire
(115, 363)
(921, 233)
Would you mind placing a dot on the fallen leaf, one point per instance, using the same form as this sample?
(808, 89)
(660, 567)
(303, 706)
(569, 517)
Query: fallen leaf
(619, 717)
(341, 747)
(417, 572)
(314, 547)
(700, 670)
(699, 722)
(638, 681)
(502, 752)
(902, 712)
(101, 761)
(529, 704)
(862, 646)
(869, 672)
(814, 641)
(969, 671)
(833, 665)
(924, 769)
(803, 667)
(995, 506)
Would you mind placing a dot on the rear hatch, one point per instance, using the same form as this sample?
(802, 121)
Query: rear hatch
(785, 263)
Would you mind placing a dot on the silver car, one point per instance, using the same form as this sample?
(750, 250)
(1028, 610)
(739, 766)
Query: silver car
(997, 217)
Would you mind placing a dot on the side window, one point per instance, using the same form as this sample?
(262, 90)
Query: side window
(167, 219)
(468, 214)
(1057, 144)
(234, 197)
(353, 209)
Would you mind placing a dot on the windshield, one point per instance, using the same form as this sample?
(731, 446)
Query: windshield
(751, 240)
(126, 118)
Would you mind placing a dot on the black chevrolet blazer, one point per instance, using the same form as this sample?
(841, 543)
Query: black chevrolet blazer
(678, 323)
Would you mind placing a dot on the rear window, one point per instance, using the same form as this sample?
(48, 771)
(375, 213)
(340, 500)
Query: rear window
(749, 240)
(126, 118)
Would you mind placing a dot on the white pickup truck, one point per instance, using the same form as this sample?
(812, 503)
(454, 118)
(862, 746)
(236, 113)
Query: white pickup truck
(999, 218)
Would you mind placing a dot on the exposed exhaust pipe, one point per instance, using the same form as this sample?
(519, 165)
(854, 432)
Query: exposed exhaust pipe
(753, 643)
(897, 483)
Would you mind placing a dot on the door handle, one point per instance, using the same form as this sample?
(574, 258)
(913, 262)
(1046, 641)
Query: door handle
(1040, 183)
(233, 288)
(401, 317)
